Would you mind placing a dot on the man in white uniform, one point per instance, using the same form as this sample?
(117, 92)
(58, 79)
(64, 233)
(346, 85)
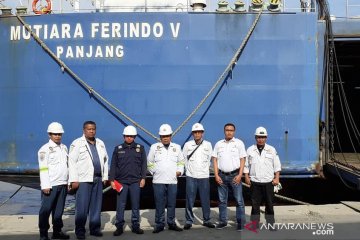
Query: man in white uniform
(53, 166)
(198, 159)
(88, 171)
(262, 173)
(229, 160)
(165, 162)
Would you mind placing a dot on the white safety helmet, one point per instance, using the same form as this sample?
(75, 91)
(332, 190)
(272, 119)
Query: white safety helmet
(260, 131)
(197, 127)
(130, 131)
(165, 129)
(55, 127)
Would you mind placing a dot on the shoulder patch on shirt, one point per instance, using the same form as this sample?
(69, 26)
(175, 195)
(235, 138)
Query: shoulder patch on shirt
(174, 149)
(51, 148)
(137, 149)
(71, 147)
(42, 156)
(120, 147)
(158, 147)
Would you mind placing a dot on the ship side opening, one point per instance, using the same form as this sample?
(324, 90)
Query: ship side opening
(348, 59)
(344, 140)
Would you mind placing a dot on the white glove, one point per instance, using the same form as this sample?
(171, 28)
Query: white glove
(277, 188)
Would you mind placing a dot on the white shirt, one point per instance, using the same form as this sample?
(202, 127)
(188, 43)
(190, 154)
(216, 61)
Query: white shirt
(81, 168)
(229, 153)
(261, 168)
(199, 163)
(53, 165)
(164, 163)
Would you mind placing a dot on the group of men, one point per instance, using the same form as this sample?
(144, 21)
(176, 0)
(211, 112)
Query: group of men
(84, 170)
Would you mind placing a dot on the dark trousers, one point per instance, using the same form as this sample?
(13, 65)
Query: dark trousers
(52, 204)
(164, 194)
(193, 185)
(260, 192)
(121, 199)
(88, 201)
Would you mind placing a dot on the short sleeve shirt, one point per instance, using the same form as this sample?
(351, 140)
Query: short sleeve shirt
(229, 153)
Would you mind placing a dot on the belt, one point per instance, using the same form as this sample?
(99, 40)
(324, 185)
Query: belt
(229, 173)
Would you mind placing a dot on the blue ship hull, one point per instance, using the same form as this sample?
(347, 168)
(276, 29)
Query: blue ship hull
(156, 68)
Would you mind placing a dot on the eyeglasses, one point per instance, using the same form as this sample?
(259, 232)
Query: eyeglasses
(130, 136)
(56, 134)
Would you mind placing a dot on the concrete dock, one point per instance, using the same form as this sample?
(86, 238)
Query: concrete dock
(332, 221)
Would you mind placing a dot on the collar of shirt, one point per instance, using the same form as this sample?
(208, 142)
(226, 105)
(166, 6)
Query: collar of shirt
(90, 142)
(83, 138)
(132, 145)
(53, 144)
(231, 140)
(163, 146)
(193, 143)
(266, 148)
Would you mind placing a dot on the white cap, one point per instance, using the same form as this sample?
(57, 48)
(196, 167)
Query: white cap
(260, 131)
(165, 129)
(197, 127)
(130, 131)
(55, 127)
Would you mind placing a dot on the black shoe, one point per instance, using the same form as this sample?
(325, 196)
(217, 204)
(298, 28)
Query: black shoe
(174, 227)
(60, 235)
(239, 227)
(187, 226)
(80, 236)
(157, 230)
(97, 234)
(137, 231)
(118, 232)
(44, 238)
(220, 225)
(209, 225)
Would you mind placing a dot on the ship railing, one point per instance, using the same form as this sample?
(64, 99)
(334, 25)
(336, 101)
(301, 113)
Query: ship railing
(212, 5)
(349, 8)
(82, 6)
(178, 8)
